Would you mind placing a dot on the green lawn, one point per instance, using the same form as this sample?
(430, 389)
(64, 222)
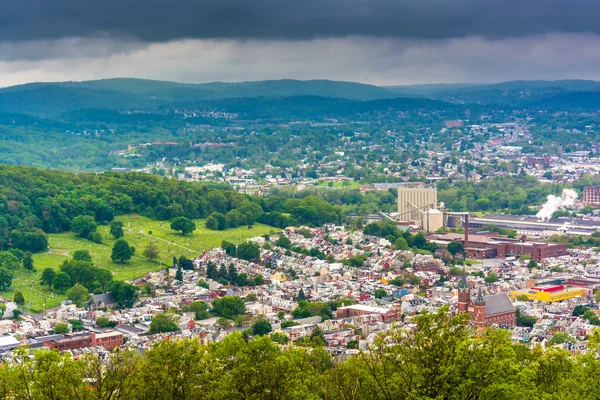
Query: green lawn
(137, 233)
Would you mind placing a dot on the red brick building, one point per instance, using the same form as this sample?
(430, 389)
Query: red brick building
(488, 246)
(387, 314)
(109, 340)
(591, 195)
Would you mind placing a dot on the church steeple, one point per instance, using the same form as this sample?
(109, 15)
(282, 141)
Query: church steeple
(479, 310)
(463, 293)
(479, 300)
(463, 280)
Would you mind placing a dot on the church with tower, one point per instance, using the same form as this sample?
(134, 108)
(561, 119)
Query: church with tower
(485, 310)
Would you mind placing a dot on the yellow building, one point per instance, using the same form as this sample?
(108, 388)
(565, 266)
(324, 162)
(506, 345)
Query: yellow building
(550, 297)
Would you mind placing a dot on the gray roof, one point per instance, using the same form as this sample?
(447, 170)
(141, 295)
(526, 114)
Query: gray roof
(106, 298)
(498, 304)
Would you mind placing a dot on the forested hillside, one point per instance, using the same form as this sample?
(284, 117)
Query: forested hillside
(34, 202)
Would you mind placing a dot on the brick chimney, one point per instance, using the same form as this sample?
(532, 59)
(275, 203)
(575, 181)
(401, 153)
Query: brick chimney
(466, 244)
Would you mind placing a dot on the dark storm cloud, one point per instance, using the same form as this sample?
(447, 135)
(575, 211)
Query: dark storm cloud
(166, 20)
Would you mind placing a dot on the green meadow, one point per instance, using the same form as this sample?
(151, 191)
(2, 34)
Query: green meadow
(139, 232)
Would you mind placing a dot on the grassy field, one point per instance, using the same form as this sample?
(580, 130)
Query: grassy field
(139, 232)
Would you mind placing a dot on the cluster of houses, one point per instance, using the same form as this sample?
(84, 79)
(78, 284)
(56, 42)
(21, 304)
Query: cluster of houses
(387, 290)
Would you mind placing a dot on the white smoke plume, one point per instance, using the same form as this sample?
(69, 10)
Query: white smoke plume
(554, 203)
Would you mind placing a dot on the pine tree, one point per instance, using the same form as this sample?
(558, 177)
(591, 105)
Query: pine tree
(301, 295)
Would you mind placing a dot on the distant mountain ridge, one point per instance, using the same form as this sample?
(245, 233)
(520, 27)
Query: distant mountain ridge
(51, 100)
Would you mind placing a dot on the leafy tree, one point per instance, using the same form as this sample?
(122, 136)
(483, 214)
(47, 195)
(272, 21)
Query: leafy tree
(185, 263)
(591, 317)
(125, 293)
(184, 225)
(248, 251)
(230, 248)
(352, 344)
(62, 282)
(524, 320)
(258, 280)
(9, 261)
(83, 226)
(419, 241)
(242, 279)
(2, 309)
(151, 252)
(17, 253)
(76, 325)
(223, 323)
(87, 274)
(48, 277)
(79, 295)
(103, 322)
(179, 274)
(380, 293)
(82, 255)
(525, 257)
(61, 327)
(18, 297)
(280, 337)
(288, 323)
(232, 273)
(560, 338)
(597, 297)
(229, 306)
(17, 313)
(579, 310)
(455, 248)
(401, 244)
(283, 241)
(522, 297)
(116, 229)
(532, 264)
(28, 262)
(397, 281)
(200, 308)
(203, 284)
(218, 222)
(261, 327)
(121, 252)
(164, 322)
(5, 278)
(96, 237)
(491, 277)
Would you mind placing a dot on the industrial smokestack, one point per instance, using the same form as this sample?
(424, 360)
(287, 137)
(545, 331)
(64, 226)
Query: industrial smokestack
(466, 230)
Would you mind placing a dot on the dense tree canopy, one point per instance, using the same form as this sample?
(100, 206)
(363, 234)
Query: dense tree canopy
(441, 359)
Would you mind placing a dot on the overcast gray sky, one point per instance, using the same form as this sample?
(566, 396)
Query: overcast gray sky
(374, 41)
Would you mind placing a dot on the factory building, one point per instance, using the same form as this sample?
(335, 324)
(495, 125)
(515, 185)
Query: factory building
(493, 246)
(557, 288)
(532, 226)
(417, 205)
